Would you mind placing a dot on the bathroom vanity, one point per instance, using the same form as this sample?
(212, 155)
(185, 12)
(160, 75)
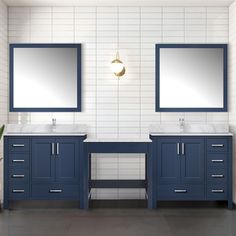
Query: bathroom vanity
(181, 164)
(41, 166)
(191, 166)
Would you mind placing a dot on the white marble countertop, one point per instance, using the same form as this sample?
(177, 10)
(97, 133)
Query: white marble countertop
(44, 134)
(141, 140)
(191, 134)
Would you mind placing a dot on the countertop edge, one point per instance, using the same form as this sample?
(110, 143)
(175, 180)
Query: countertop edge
(191, 134)
(45, 134)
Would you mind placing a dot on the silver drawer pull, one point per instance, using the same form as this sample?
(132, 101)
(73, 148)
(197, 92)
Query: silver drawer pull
(217, 190)
(52, 149)
(217, 145)
(217, 160)
(178, 148)
(183, 149)
(55, 191)
(18, 190)
(217, 176)
(180, 191)
(18, 160)
(18, 176)
(58, 148)
(18, 145)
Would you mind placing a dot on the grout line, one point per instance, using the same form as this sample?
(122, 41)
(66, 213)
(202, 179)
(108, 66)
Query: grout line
(118, 100)
(140, 93)
(96, 77)
(74, 29)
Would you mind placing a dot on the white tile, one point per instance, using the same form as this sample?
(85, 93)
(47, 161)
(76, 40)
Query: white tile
(111, 110)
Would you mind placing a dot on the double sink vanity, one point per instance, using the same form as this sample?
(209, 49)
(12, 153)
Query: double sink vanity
(53, 162)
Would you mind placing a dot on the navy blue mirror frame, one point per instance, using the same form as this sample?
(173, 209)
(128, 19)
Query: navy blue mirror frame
(159, 109)
(11, 72)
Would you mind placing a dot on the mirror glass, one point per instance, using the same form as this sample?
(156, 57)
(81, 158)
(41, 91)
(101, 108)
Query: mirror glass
(191, 78)
(45, 77)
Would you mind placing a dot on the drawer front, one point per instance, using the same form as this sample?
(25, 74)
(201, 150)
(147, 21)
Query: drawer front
(19, 145)
(55, 191)
(217, 192)
(217, 145)
(216, 160)
(19, 176)
(19, 160)
(180, 192)
(18, 191)
(217, 175)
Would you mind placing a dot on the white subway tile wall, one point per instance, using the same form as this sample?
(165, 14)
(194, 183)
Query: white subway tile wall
(232, 83)
(3, 79)
(111, 107)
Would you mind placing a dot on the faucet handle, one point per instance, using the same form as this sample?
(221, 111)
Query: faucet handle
(54, 121)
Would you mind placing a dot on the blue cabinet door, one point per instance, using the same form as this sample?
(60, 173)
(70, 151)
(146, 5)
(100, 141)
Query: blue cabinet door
(67, 160)
(168, 160)
(192, 160)
(43, 160)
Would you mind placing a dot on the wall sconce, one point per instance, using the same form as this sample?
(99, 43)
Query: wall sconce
(117, 66)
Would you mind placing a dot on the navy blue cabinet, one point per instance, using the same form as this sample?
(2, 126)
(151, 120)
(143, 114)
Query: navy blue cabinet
(180, 168)
(43, 162)
(168, 166)
(42, 168)
(192, 168)
(55, 160)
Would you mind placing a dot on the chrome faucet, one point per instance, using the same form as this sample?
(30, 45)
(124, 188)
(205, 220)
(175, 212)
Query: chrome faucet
(54, 122)
(181, 123)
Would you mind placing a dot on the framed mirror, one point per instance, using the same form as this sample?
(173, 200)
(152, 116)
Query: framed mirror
(45, 77)
(191, 77)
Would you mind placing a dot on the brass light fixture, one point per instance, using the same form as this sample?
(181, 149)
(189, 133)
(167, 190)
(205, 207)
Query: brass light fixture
(117, 66)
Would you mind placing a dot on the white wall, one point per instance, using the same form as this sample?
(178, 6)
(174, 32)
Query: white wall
(118, 108)
(3, 77)
(232, 81)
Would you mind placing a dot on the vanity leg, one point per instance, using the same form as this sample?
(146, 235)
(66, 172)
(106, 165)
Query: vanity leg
(84, 199)
(230, 205)
(5, 204)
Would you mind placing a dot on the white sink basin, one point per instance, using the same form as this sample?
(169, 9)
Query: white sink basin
(45, 129)
(189, 128)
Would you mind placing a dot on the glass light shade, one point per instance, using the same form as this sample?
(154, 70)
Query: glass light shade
(117, 67)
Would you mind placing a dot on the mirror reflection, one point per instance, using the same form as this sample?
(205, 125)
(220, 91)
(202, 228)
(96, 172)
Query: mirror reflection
(191, 78)
(45, 78)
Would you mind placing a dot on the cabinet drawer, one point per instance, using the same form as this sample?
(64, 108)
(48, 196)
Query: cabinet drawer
(18, 191)
(180, 192)
(18, 175)
(216, 160)
(19, 145)
(217, 145)
(19, 160)
(217, 175)
(217, 192)
(55, 191)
